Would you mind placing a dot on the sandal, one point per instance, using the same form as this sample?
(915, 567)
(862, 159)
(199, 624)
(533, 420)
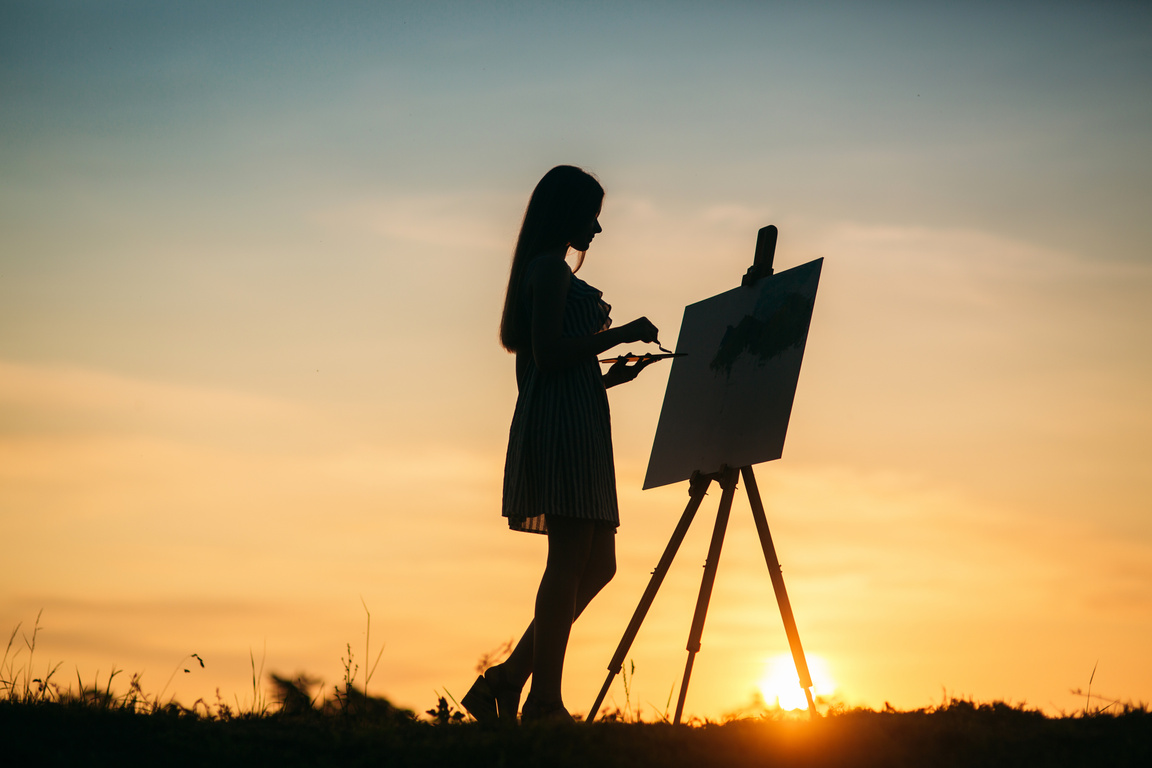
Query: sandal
(481, 702)
(492, 698)
(507, 695)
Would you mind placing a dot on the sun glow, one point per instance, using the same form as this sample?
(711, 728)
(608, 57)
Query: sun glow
(780, 685)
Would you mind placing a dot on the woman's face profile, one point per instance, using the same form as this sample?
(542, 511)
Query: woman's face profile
(583, 239)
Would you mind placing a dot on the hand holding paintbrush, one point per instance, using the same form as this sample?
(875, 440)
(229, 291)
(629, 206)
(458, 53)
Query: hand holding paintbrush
(621, 372)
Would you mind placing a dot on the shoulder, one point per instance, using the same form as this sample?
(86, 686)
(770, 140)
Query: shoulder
(549, 274)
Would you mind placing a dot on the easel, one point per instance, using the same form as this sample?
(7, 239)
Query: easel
(698, 488)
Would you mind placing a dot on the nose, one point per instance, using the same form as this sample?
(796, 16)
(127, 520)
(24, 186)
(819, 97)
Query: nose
(597, 229)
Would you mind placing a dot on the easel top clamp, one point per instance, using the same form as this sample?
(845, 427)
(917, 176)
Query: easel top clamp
(765, 254)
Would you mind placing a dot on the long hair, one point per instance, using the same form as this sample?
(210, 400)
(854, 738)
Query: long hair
(563, 203)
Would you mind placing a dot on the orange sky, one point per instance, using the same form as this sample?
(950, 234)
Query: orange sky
(252, 272)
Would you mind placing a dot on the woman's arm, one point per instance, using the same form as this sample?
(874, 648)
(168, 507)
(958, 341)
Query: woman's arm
(548, 287)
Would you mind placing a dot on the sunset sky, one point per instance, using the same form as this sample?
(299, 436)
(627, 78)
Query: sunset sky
(252, 260)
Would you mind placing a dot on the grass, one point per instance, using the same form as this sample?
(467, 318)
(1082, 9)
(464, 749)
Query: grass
(45, 723)
(957, 734)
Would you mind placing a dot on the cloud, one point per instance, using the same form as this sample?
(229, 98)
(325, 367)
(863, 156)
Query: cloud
(77, 389)
(966, 264)
(485, 221)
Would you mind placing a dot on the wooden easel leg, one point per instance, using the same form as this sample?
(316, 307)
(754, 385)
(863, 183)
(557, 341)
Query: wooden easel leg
(728, 482)
(778, 585)
(698, 488)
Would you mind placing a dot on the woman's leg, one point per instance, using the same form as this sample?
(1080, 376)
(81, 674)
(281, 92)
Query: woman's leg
(517, 668)
(569, 547)
(599, 568)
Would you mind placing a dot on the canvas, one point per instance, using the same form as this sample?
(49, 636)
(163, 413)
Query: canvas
(730, 397)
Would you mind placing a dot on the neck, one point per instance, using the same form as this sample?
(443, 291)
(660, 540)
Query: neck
(556, 252)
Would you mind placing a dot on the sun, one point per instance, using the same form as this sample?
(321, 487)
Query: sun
(780, 684)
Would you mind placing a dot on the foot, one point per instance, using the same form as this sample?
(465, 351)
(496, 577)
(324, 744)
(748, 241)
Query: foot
(492, 697)
(480, 701)
(506, 693)
(545, 712)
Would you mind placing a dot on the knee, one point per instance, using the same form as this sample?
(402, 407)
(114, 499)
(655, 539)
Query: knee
(604, 573)
(561, 577)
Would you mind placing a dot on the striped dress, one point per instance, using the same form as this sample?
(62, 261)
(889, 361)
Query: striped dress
(559, 458)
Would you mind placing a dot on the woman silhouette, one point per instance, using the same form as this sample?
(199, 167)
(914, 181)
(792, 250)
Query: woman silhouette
(559, 477)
